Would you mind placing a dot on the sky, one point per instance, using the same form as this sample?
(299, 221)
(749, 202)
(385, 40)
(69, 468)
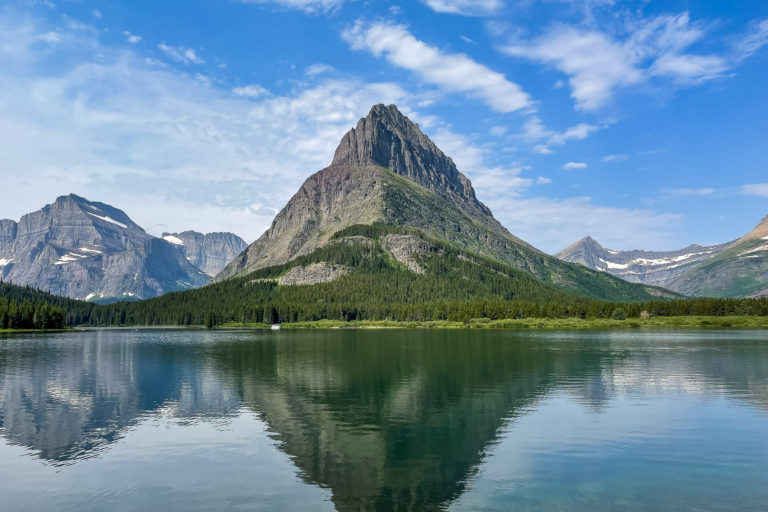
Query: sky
(641, 123)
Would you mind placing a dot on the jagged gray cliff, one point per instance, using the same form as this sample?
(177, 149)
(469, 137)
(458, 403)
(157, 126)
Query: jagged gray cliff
(209, 252)
(90, 250)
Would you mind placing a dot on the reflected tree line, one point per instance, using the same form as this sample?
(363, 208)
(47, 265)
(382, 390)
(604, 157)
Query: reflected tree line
(397, 420)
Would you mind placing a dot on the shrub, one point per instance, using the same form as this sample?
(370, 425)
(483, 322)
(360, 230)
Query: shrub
(619, 314)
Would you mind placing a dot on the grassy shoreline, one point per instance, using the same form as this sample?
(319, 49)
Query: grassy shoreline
(753, 322)
(721, 322)
(18, 331)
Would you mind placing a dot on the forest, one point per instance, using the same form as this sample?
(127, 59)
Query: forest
(456, 285)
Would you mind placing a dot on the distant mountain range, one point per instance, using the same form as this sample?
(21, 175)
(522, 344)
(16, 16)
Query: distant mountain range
(734, 269)
(89, 250)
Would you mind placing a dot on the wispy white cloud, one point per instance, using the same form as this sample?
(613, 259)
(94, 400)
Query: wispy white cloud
(598, 63)
(755, 39)
(308, 6)
(173, 151)
(755, 189)
(676, 192)
(575, 165)
(318, 69)
(541, 180)
(534, 131)
(251, 91)
(131, 38)
(452, 72)
(465, 7)
(620, 157)
(553, 224)
(181, 54)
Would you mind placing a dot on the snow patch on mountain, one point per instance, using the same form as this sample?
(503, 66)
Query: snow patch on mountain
(108, 219)
(174, 240)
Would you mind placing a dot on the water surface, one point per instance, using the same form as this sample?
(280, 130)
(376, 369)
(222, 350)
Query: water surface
(383, 420)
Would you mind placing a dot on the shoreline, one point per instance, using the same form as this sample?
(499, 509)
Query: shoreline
(738, 322)
(718, 322)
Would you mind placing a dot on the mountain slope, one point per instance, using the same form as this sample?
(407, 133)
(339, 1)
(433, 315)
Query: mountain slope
(729, 270)
(386, 171)
(657, 268)
(741, 270)
(83, 249)
(209, 252)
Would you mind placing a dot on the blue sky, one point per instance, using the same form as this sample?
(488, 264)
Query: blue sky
(641, 123)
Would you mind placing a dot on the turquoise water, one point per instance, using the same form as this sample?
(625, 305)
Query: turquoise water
(384, 420)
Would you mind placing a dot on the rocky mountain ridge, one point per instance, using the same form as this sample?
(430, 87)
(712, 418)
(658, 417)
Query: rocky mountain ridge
(734, 269)
(92, 251)
(386, 171)
(658, 268)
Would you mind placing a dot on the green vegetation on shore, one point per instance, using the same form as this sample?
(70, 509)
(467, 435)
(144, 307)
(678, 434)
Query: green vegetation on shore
(754, 322)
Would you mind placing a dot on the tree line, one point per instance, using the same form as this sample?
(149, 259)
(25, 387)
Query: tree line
(30, 315)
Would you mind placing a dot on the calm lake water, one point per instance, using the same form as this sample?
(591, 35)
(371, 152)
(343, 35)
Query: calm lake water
(384, 420)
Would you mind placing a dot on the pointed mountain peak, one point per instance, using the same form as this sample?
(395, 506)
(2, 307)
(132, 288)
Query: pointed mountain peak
(387, 138)
(99, 213)
(587, 242)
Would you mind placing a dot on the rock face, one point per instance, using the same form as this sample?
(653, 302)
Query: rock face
(733, 269)
(404, 247)
(386, 138)
(658, 268)
(209, 252)
(313, 273)
(84, 249)
(386, 171)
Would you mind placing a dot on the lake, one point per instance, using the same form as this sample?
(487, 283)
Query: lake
(349, 420)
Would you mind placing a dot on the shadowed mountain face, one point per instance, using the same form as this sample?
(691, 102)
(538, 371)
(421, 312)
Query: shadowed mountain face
(84, 249)
(383, 420)
(386, 171)
(209, 252)
(732, 269)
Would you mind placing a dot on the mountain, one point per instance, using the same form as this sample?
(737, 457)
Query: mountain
(387, 172)
(83, 249)
(658, 268)
(741, 270)
(209, 252)
(729, 270)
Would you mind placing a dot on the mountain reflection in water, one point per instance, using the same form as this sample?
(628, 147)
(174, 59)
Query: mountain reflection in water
(384, 420)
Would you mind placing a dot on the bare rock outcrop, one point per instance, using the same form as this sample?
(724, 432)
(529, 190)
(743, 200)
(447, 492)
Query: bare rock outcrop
(405, 249)
(313, 273)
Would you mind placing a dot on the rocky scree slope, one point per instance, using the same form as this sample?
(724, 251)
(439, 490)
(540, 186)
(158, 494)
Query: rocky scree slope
(386, 171)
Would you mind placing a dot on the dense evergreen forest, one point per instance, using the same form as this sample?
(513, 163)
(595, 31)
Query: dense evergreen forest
(456, 285)
(24, 308)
